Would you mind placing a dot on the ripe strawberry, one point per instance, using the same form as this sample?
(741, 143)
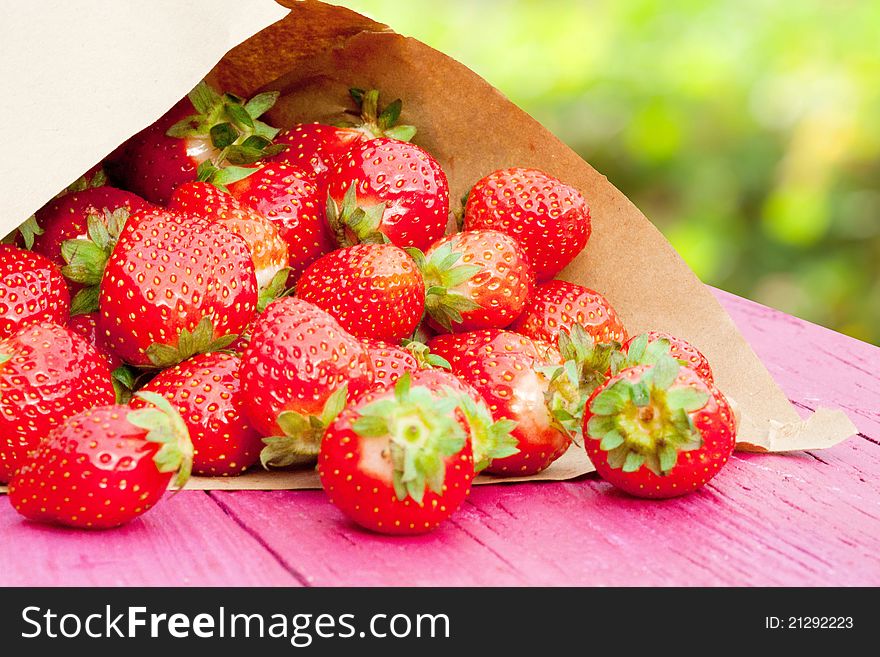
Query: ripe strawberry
(521, 380)
(104, 467)
(66, 217)
(387, 190)
(490, 439)
(205, 136)
(373, 290)
(557, 305)
(289, 198)
(295, 374)
(549, 218)
(268, 249)
(206, 391)
(648, 347)
(47, 374)
(32, 290)
(86, 325)
(388, 362)
(658, 430)
(316, 147)
(175, 286)
(399, 460)
(478, 279)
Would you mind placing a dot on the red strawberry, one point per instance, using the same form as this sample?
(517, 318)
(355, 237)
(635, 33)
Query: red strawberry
(373, 290)
(66, 217)
(268, 249)
(315, 147)
(557, 305)
(173, 287)
(32, 290)
(658, 430)
(86, 325)
(206, 391)
(389, 362)
(549, 218)
(647, 347)
(289, 197)
(204, 136)
(104, 467)
(388, 190)
(47, 374)
(476, 280)
(399, 460)
(517, 377)
(294, 376)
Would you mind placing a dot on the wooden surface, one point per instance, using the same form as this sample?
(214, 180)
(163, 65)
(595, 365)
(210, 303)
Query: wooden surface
(797, 519)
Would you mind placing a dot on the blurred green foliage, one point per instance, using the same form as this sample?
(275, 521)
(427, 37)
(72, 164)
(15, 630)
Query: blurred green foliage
(747, 130)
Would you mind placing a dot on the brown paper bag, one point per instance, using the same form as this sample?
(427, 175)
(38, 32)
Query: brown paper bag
(315, 54)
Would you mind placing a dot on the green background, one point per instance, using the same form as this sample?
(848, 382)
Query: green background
(748, 131)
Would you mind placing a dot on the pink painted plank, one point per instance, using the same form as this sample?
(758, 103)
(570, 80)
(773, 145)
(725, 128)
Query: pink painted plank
(325, 549)
(814, 365)
(186, 540)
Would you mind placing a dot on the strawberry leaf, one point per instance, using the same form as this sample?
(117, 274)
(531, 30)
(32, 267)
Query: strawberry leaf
(29, 230)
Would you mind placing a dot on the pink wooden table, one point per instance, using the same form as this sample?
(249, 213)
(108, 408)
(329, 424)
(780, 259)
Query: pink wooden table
(799, 519)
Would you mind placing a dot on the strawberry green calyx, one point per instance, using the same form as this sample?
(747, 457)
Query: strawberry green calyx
(647, 422)
(422, 353)
(301, 441)
(98, 179)
(165, 426)
(5, 358)
(593, 360)
(490, 439)
(29, 230)
(352, 224)
(564, 399)
(374, 123)
(641, 352)
(442, 275)
(275, 289)
(189, 343)
(86, 257)
(423, 433)
(231, 125)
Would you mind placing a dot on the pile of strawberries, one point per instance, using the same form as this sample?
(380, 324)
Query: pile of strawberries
(218, 293)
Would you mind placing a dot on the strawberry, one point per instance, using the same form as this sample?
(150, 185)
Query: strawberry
(206, 136)
(658, 430)
(206, 391)
(295, 374)
(398, 461)
(66, 217)
(557, 305)
(387, 190)
(521, 380)
(175, 286)
(105, 466)
(48, 373)
(490, 439)
(268, 249)
(389, 362)
(648, 347)
(477, 279)
(549, 218)
(289, 198)
(316, 147)
(373, 290)
(86, 325)
(32, 290)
